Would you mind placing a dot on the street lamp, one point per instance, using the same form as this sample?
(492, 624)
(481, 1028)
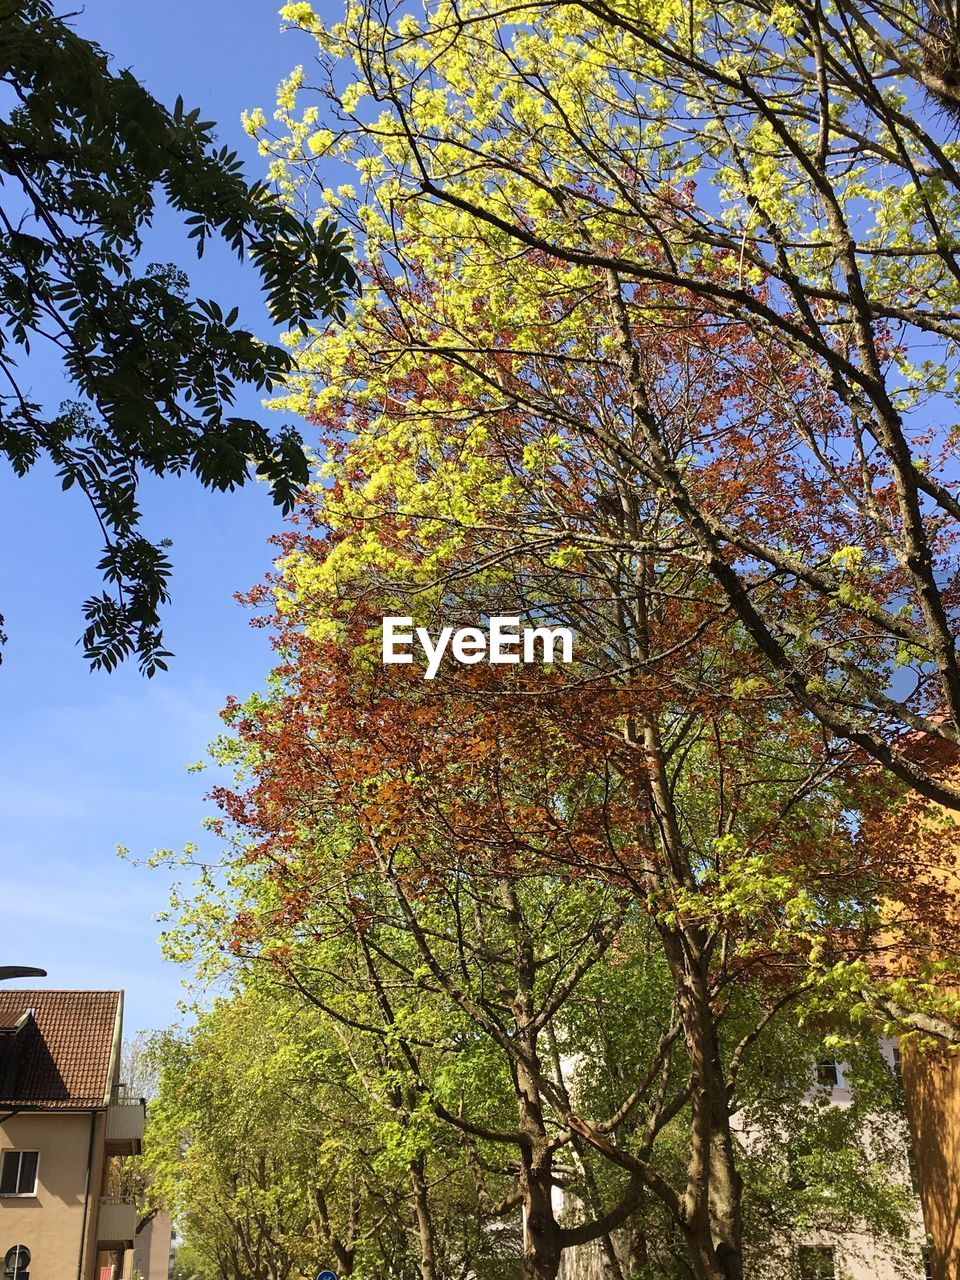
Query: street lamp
(20, 971)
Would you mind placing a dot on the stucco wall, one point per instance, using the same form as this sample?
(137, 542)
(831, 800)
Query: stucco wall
(151, 1257)
(50, 1223)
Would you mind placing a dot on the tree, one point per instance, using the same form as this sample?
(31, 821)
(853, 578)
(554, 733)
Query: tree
(129, 1179)
(662, 763)
(432, 876)
(460, 485)
(274, 1141)
(503, 422)
(783, 171)
(86, 155)
(452, 827)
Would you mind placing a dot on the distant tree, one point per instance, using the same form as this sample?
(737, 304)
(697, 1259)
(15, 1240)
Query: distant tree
(185, 1264)
(131, 1178)
(137, 1068)
(86, 156)
(275, 1156)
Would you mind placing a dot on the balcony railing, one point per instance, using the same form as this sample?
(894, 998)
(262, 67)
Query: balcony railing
(116, 1223)
(125, 1121)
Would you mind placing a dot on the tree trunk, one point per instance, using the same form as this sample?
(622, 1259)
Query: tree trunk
(428, 1256)
(712, 1223)
(542, 1249)
(713, 1226)
(541, 1232)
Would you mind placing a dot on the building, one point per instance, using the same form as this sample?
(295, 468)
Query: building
(813, 1253)
(924, 930)
(855, 1255)
(64, 1123)
(152, 1254)
(932, 1086)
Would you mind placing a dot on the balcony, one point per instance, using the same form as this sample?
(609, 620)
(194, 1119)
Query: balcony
(125, 1120)
(116, 1223)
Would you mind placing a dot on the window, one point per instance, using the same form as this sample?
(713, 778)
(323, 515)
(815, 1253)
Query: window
(828, 1075)
(897, 1068)
(18, 1174)
(817, 1263)
(15, 1263)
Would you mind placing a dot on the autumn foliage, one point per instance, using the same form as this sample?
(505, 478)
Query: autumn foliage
(665, 781)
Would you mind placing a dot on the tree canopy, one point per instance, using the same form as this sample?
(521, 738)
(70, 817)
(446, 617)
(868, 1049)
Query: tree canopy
(505, 859)
(657, 341)
(786, 172)
(86, 156)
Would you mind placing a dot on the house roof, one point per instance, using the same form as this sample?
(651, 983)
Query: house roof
(58, 1049)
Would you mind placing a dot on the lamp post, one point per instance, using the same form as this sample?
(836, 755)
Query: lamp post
(20, 971)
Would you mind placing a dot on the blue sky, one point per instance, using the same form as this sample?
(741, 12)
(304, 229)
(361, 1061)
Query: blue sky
(89, 761)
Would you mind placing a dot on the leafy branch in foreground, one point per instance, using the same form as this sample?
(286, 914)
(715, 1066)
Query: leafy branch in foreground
(86, 157)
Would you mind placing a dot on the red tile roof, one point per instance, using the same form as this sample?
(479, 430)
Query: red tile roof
(63, 1056)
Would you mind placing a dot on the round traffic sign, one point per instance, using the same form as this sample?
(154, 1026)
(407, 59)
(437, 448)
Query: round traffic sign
(326, 1275)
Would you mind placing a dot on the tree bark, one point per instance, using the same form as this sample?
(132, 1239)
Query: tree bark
(428, 1256)
(712, 1219)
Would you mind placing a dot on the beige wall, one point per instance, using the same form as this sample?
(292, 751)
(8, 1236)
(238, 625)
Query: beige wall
(857, 1257)
(51, 1224)
(151, 1257)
